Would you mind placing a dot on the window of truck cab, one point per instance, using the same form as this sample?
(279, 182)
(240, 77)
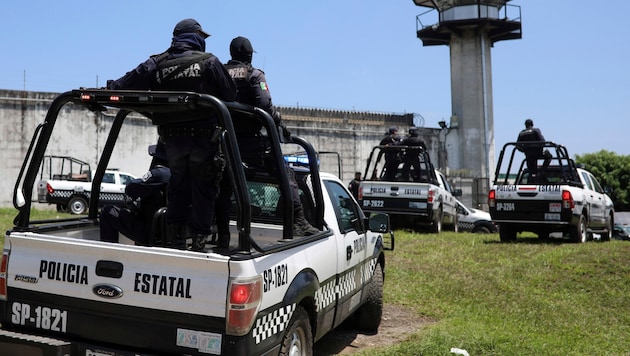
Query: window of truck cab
(348, 216)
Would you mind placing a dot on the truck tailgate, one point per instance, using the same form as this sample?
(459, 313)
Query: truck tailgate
(395, 197)
(529, 203)
(55, 285)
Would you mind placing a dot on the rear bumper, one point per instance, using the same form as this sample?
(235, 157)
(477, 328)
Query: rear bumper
(15, 343)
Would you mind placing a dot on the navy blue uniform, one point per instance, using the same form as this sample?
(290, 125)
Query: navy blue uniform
(253, 90)
(148, 194)
(391, 156)
(531, 134)
(411, 159)
(192, 157)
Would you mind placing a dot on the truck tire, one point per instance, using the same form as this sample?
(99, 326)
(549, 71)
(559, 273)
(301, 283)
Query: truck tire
(436, 225)
(456, 223)
(606, 236)
(578, 232)
(77, 205)
(368, 316)
(507, 234)
(480, 229)
(298, 339)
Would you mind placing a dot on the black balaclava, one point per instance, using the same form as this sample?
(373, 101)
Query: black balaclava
(241, 50)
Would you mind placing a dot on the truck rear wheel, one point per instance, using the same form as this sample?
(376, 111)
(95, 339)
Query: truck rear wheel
(368, 316)
(507, 233)
(298, 340)
(606, 236)
(436, 226)
(77, 205)
(578, 232)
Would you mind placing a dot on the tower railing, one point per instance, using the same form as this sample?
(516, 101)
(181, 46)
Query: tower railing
(507, 12)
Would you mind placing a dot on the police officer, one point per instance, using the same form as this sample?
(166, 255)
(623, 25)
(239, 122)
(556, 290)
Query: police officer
(411, 157)
(532, 152)
(354, 185)
(147, 194)
(392, 158)
(193, 158)
(253, 90)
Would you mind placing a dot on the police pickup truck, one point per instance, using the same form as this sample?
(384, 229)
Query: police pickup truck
(63, 292)
(559, 198)
(67, 181)
(417, 196)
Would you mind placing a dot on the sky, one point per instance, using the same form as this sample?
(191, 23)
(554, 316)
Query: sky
(569, 72)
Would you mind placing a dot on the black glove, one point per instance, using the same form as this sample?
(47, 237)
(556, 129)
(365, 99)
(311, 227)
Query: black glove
(285, 132)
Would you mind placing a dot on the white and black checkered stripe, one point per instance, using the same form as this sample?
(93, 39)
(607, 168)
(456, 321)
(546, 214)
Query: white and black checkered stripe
(272, 323)
(368, 270)
(325, 295)
(102, 196)
(466, 226)
(347, 283)
(111, 197)
(61, 194)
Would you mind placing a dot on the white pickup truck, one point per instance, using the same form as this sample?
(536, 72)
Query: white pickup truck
(67, 182)
(63, 292)
(561, 198)
(426, 201)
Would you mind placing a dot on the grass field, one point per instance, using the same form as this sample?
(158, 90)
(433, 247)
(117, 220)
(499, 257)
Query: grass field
(530, 297)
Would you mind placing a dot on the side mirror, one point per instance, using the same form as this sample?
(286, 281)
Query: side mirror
(457, 192)
(380, 223)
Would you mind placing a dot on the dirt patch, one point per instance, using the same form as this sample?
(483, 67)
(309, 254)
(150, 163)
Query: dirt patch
(397, 324)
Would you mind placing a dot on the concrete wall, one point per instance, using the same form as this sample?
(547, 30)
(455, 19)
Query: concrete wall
(81, 134)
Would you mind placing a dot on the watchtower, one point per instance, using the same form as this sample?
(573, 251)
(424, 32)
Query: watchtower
(470, 28)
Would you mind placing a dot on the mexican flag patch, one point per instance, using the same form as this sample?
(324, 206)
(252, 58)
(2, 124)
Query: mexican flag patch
(263, 86)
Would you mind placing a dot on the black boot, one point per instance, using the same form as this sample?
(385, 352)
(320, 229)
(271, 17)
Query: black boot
(301, 226)
(199, 242)
(223, 240)
(180, 236)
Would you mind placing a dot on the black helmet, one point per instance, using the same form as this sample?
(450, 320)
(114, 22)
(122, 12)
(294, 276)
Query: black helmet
(241, 49)
(413, 131)
(392, 130)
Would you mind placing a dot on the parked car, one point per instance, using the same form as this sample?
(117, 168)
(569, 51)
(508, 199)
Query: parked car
(621, 232)
(474, 220)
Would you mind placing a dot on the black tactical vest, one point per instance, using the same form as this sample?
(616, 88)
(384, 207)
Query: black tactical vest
(182, 73)
(241, 74)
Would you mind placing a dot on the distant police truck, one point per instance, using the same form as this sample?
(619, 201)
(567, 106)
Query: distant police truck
(560, 198)
(64, 292)
(416, 196)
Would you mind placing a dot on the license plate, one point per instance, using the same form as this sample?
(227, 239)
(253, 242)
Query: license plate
(417, 205)
(552, 217)
(555, 207)
(374, 203)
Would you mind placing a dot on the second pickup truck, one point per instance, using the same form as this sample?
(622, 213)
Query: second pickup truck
(412, 199)
(561, 198)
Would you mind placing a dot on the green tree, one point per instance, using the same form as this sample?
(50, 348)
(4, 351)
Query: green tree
(613, 172)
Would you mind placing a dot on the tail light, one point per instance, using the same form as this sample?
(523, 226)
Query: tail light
(360, 196)
(430, 196)
(244, 300)
(567, 200)
(49, 188)
(492, 198)
(3, 274)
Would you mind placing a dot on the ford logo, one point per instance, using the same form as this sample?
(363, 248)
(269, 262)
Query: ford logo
(107, 291)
